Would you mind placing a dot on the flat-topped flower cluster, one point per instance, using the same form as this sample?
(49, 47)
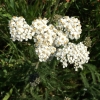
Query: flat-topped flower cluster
(19, 29)
(52, 41)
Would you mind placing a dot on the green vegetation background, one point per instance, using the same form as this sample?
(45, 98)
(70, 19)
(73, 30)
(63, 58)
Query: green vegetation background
(18, 59)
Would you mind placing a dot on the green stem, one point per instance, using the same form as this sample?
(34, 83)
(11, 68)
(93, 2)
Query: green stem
(56, 5)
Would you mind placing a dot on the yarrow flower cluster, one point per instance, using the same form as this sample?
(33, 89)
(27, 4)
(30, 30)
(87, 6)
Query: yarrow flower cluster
(19, 29)
(52, 41)
(70, 26)
(44, 34)
(73, 54)
(43, 38)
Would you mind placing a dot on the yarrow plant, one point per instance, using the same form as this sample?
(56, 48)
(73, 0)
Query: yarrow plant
(53, 40)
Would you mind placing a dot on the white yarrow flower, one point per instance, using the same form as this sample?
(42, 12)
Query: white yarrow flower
(73, 54)
(20, 30)
(70, 26)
